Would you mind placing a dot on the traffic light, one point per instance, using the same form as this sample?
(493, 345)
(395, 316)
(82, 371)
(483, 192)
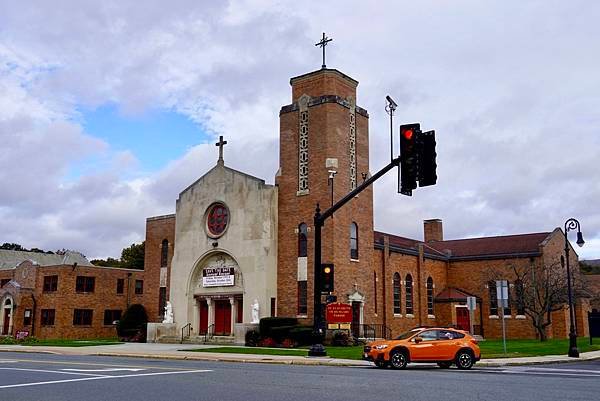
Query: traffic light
(409, 157)
(327, 277)
(427, 162)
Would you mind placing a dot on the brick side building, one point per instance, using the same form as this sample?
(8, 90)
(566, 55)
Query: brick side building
(65, 296)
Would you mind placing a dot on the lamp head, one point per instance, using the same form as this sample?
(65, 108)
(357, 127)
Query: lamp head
(580, 240)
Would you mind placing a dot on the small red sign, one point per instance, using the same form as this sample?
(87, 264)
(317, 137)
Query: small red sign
(338, 312)
(22, 334)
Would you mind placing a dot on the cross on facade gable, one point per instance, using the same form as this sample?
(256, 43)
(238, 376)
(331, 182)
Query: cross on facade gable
(322, 44)
(220, 144)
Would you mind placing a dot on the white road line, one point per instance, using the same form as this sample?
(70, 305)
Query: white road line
(52, 371)
(550, 373)
(8, 361)
(104, 370)
(531, 369)
(102, 378)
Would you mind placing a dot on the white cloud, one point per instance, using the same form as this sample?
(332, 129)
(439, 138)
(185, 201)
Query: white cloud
(512, 91)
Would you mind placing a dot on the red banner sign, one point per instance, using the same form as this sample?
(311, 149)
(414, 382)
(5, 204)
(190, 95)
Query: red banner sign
(339, 313)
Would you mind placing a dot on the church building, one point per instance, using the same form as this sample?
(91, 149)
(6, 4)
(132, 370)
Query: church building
(238, 249)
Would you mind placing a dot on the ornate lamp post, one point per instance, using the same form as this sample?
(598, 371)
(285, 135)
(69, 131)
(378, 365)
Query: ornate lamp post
(572, 224)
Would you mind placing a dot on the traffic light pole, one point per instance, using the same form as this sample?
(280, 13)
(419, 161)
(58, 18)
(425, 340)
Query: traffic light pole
(318, 324)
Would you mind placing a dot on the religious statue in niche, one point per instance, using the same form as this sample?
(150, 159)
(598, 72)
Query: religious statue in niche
(168, 313)
(255, 311)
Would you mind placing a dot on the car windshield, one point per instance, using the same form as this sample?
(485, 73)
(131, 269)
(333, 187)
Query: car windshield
(408, 334)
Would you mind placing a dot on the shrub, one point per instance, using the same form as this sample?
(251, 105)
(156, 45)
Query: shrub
(303, 335)
(342, 338)
(268, 342)
(288, 343)
(252, 338)
(268, 323)
(132, 326)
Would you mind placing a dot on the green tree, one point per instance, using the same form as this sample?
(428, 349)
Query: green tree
(133, 256)
(108, 262)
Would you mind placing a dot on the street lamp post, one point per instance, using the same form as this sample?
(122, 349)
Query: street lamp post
(572, 224)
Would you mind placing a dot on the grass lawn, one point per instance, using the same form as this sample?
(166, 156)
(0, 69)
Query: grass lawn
(489, 349)
(333, 352)
(517, 348)
(57, 342)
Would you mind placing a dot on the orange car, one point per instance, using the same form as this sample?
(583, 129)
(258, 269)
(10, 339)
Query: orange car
(439, 345)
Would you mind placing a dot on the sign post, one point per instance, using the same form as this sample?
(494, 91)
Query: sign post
(502, 295)
(471, 305)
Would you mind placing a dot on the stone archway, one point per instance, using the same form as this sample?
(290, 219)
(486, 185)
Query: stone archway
(215, 294)
(6, 318)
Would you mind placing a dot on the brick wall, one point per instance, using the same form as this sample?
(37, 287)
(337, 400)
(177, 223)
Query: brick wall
(158, 229)
(66, 299)
(328, 138)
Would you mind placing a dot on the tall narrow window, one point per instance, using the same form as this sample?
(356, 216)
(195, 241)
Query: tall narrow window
(302, 240)
(302, 298)
(520, 297)
(409, 294)
(353, 241)
(429, 296)
(397, 295)
(164, 253)
(493, 298)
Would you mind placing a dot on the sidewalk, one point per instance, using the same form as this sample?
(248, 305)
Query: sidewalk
(178, 351)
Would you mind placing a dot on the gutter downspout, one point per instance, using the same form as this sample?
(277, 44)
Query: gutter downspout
(384, 262)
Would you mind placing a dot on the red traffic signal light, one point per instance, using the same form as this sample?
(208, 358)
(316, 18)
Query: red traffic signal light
(409, 157)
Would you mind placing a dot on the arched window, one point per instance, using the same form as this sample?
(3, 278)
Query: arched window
(353, 241)
(520, 297)
(164, 253)
(493, 298)
(397, 295)
(302, 240)
(429, 296)
(409, 294)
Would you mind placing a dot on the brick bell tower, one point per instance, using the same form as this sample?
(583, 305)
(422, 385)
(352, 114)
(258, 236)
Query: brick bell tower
(323, 130)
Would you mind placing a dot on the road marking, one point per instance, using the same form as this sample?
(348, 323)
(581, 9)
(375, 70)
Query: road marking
(561, 370)
(102, 378)
(8, 361)
(550, 373)
(99, 364)
(104, 370)
(50, 371)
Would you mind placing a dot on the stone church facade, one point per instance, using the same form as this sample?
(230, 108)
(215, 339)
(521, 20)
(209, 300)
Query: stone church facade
(238, 249)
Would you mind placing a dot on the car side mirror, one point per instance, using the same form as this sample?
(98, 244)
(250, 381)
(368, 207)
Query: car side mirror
(418, 340)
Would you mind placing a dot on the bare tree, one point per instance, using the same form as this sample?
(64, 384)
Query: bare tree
(538, 290)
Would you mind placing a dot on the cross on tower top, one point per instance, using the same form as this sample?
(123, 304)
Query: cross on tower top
(322, 44)
(220, 144)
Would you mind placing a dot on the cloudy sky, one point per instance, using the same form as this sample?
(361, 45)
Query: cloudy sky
(109, 108)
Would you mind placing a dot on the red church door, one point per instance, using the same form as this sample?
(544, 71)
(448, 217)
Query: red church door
(222, 318)
(463, 321)
(203, 316)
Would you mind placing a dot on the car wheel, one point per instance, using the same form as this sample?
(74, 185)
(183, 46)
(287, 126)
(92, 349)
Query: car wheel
(444, 365)
(381, 364)
(464, 360)
(398, 359)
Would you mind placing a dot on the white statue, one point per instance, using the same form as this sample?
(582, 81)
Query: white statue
(255, 310)
(168, 313)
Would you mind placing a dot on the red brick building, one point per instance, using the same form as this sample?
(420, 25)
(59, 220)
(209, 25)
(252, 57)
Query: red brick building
(391, 282)
(65, 296)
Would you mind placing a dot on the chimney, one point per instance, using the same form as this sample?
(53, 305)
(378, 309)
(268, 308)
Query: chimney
(432, 229)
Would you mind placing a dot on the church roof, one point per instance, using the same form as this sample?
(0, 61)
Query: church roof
(222, 166)
(10, 259)
(471, 248)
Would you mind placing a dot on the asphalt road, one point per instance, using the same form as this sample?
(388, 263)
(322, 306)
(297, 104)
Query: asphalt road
(58, 377)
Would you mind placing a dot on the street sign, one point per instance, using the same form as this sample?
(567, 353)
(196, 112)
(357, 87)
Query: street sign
(502, 292)
(472, 303)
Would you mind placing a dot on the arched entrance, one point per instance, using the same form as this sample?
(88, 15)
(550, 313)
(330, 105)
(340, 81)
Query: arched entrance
(216, 295)
(7, 316)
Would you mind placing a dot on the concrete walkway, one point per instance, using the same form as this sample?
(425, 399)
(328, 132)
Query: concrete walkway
(181, 351)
